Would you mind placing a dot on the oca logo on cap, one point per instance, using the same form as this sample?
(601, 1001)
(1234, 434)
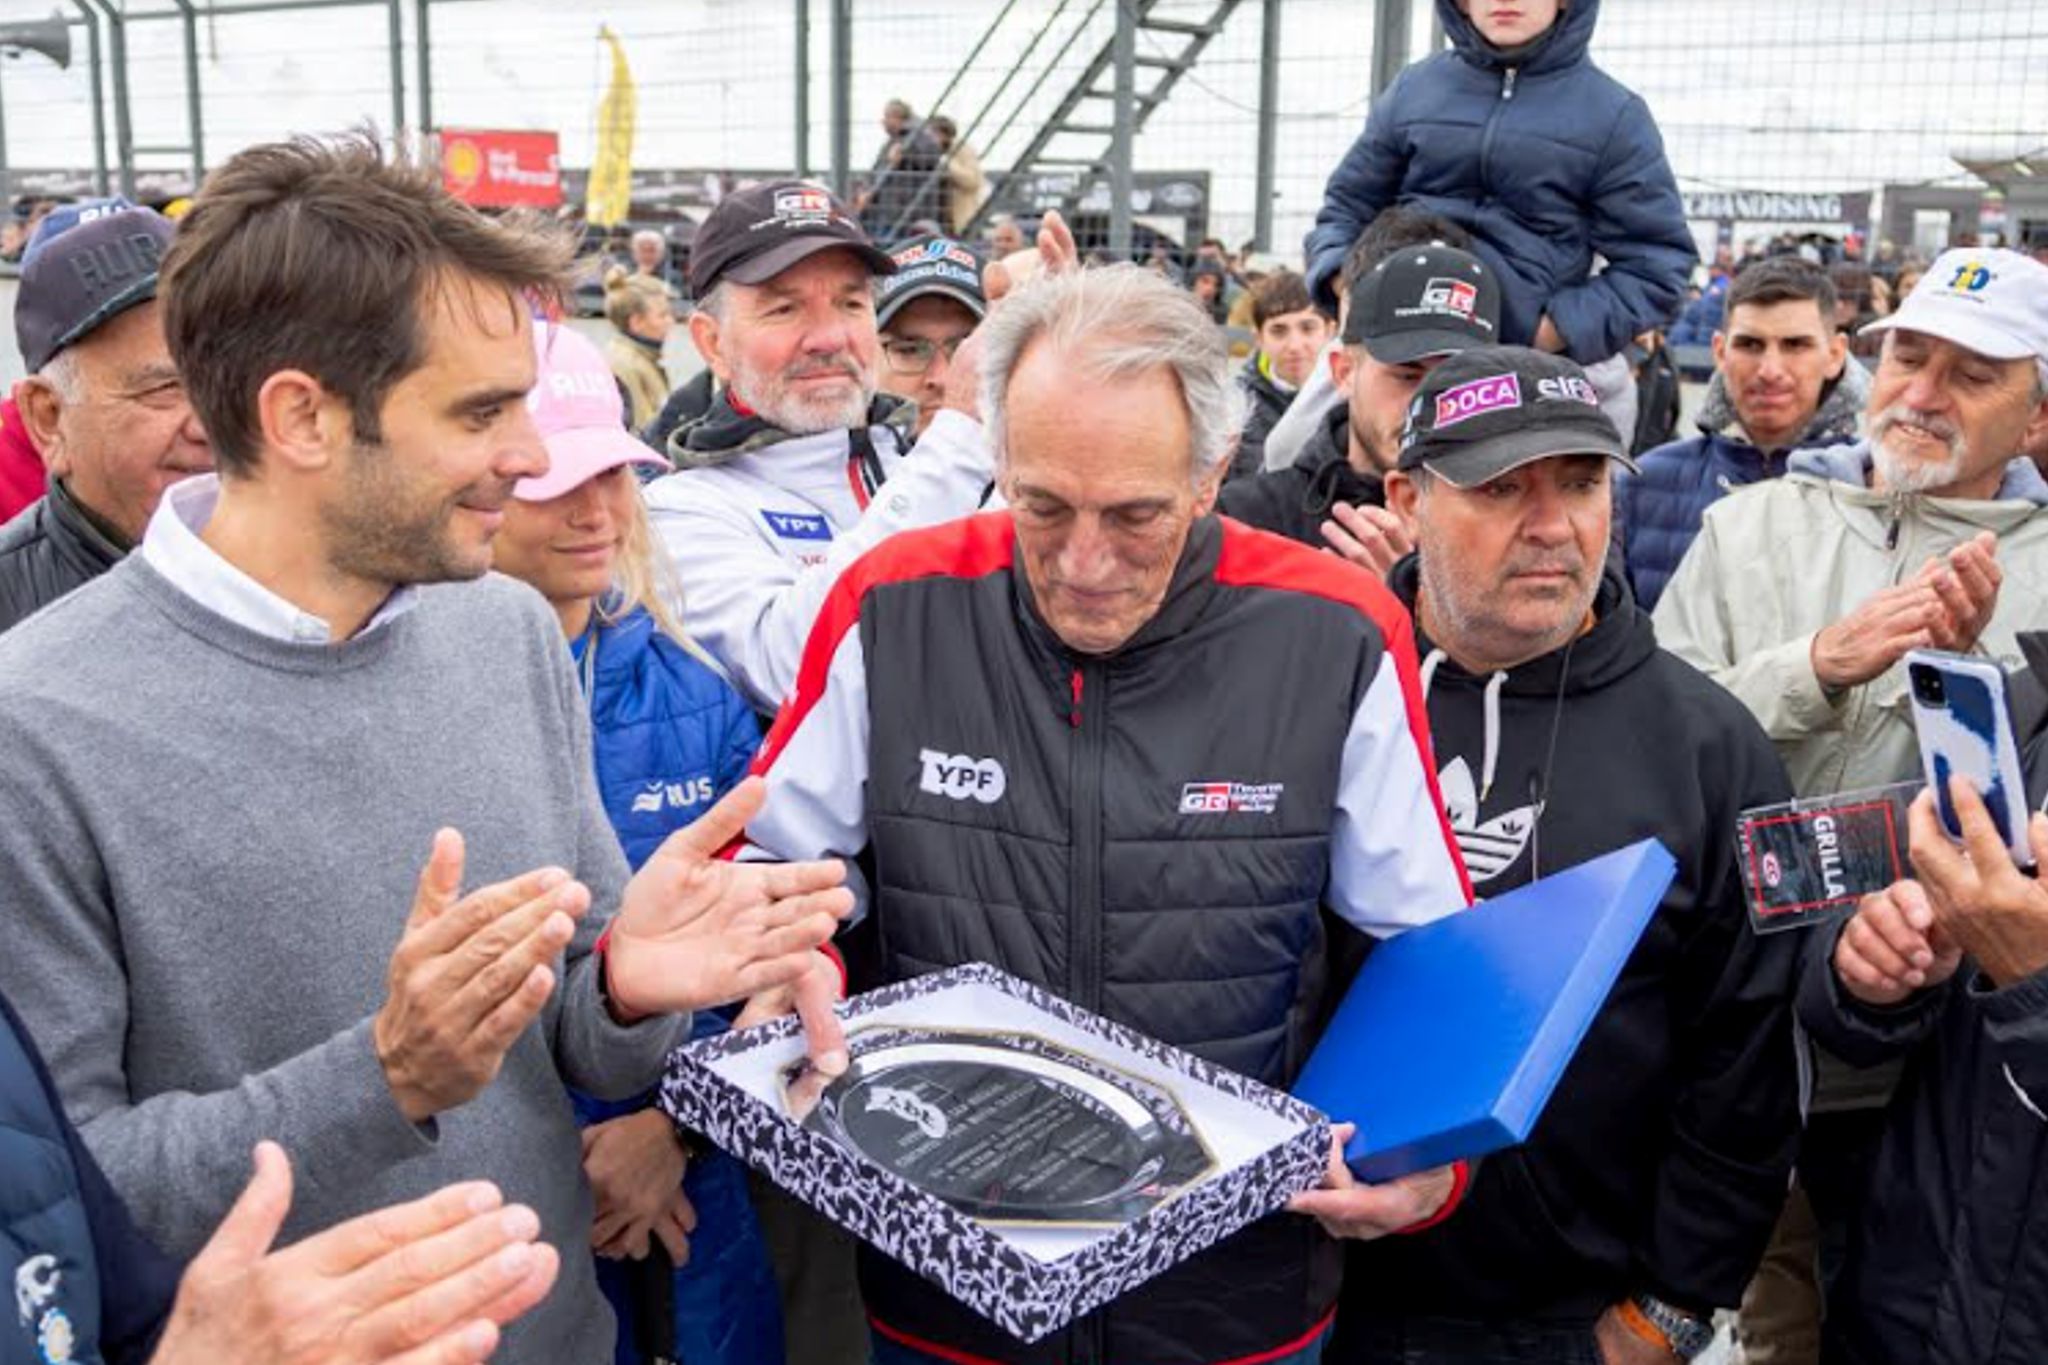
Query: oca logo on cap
(1495, 393)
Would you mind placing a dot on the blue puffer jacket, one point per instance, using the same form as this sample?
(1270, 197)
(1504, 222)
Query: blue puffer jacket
(1657, 512)
(1545, 164)
(671, 737)
(88, 1287)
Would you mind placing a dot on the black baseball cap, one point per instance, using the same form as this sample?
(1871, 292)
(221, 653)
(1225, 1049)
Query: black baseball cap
(80, 271)
(1486, 411)
(757, 233)
(1421, 302)
(928, 266)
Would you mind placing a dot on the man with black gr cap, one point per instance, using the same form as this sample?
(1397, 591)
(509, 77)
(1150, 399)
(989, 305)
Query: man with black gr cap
(1644, 1198)
(1406, 315)
(102, 403)
(780, 485)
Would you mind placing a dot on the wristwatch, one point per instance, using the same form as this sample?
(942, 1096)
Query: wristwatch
(1685, 1334)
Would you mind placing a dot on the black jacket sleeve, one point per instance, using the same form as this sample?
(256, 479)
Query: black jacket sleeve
(1735, 1106)
(1861, 1035)
(137, 1282)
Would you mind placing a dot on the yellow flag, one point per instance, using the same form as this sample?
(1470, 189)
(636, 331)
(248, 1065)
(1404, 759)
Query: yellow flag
(611, 171)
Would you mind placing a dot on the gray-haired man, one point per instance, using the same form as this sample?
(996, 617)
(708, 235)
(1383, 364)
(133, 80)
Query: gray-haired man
(1034, 790)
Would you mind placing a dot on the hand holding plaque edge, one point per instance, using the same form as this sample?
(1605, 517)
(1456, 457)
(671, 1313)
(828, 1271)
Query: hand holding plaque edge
(1349, 1208)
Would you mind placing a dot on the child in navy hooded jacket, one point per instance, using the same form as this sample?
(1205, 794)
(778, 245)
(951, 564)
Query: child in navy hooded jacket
(1546, 160)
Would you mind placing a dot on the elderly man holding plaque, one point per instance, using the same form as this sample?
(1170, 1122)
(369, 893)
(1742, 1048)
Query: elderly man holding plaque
(1052, 728)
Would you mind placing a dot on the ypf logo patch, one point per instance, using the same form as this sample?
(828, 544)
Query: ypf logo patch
(1476, 398)
(961, 778)
(1455, 297)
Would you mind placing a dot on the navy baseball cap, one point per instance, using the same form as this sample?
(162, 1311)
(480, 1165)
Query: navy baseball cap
(758, 232)
(1486, 411)
(932, 265)
(86, 264)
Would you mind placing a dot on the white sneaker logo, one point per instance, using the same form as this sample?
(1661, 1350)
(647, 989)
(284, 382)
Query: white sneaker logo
(1491, 848)
(960, 777)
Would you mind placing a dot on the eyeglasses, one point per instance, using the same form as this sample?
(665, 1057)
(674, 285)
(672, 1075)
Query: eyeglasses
(915, 357)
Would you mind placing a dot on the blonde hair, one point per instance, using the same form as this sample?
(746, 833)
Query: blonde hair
(627, 295)
(645, 577)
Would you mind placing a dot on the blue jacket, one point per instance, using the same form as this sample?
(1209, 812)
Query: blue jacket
(670, 737)
(87, 1285)
(1545, 164)
(1657, 511)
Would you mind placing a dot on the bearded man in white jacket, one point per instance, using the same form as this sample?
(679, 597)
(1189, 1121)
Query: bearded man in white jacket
(800, 466)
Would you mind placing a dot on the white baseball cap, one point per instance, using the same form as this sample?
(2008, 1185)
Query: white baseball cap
(1992, 302)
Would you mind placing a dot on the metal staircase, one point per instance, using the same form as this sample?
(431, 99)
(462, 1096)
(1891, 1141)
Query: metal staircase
(1071, 145)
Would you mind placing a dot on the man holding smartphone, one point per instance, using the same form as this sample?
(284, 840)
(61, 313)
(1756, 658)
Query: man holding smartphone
(1948, 1262)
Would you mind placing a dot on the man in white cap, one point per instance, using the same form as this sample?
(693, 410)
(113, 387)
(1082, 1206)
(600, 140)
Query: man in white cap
(1803, 595)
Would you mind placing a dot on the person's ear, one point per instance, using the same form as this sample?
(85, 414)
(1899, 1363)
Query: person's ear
(1403, 495)
(1342, 363)
(1838, 354)
(299, 421)
(705, 336)
(1720, 348)
(42, 416)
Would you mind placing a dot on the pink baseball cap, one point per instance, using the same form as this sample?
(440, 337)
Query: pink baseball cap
(576, 406)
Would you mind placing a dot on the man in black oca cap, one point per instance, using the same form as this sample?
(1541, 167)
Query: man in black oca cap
(1643, 1200)
(1407, 315)
(102, 402)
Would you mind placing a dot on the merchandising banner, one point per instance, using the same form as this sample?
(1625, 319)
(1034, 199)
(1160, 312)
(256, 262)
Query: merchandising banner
(495, 169)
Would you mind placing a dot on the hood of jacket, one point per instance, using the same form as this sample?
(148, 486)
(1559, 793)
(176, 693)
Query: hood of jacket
(1850, 464)
(1834, 421)
(1619, 643)
(1325, 463)
(724, 432)
(1566, 41)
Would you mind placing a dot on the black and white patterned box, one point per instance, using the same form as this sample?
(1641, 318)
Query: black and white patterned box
(1030, 1282)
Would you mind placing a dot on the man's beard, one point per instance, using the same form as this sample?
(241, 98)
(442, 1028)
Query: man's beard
(1468, 610)
(1904, 473)
(773, 395)
(378, 532)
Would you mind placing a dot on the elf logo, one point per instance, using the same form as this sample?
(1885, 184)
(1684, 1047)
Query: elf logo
(1492, 847)
(1231, 798)
(961, 778)
(657, 796)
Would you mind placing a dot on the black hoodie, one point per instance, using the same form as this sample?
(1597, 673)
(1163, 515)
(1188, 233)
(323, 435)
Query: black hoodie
(1661, 1162)
(1295, 501)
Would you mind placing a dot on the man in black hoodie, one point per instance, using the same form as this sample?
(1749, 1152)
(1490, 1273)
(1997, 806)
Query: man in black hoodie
(1412, 309)
(1644, 1198)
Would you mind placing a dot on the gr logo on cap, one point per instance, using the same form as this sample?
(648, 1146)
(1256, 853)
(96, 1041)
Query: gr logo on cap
(758, 232)
(1491, 409)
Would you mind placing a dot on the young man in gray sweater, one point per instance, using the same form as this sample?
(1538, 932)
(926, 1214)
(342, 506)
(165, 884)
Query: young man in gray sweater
(228, 757)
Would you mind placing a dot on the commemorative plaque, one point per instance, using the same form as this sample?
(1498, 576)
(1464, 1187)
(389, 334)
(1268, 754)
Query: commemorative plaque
(1007, 1128)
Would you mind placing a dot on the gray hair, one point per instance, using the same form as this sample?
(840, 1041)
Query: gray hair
(60, 372)
(1114, 322)
(650, 235)
(714, 302)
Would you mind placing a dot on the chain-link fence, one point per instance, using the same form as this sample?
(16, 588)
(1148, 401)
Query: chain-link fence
(1908, 119)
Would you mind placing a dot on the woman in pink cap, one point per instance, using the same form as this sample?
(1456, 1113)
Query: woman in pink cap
(679, 1253)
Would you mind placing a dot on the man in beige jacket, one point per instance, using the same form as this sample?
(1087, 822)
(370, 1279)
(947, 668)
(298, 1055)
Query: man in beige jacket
(1803, 595)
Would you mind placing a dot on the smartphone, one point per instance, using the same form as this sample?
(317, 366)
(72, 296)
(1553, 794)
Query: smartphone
(1964, 723)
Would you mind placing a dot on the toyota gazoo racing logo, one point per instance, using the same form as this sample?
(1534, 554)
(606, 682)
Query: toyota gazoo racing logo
(960, 777)
(1231, 798)
(1495, 393)
(807, 204)
(1456, 297)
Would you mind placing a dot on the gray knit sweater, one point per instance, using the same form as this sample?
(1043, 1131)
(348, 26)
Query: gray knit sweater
(209, 842)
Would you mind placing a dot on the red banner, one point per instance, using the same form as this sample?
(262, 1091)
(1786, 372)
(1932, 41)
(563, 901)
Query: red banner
(498, 170)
